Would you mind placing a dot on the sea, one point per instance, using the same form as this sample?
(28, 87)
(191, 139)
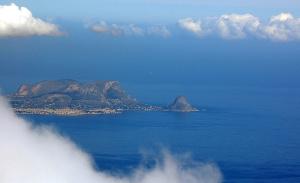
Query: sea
(251, 133)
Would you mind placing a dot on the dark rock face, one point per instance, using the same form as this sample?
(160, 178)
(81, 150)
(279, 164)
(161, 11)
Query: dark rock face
(73, 94)
(181, 104)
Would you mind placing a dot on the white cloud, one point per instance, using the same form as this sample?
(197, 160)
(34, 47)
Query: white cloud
(36, 154)
(18, 21)
(191, 25)
(235, 26)
(117, 30)
(282, 27)
(129, 30)
(101, 27)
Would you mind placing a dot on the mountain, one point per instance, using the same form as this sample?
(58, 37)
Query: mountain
(71, 94)
(181, 104)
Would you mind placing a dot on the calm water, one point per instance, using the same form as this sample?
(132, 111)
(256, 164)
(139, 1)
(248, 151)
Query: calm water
(252, 134)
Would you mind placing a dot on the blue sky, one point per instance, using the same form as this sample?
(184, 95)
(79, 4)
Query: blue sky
(154, 10)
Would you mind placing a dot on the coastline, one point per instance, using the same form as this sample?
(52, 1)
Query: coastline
(100, 111)
(65, 111)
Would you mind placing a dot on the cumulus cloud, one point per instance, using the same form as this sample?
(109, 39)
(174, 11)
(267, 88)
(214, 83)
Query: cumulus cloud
(130, 30)
(282, 27)
(19, 21)
(191, 25)
(31, 154)
(237, 26)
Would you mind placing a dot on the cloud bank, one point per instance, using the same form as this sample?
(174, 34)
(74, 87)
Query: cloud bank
(130, 30)
(282, 27)
(37, 154)
(19, 21)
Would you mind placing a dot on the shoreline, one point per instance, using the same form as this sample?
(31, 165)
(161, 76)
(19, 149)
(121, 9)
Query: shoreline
(79, 112)
(65, 111)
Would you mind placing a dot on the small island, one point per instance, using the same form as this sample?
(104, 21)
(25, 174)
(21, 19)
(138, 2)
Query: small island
(181, 104)
(71, 98)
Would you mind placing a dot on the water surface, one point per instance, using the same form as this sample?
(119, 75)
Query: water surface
(251, 133)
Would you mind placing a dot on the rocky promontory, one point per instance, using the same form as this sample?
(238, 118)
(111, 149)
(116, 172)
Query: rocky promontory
(181, 104)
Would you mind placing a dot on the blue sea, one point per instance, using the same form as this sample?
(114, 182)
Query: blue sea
(251, 133)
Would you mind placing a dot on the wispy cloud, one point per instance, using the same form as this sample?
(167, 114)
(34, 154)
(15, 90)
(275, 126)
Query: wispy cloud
(37, 154)
(160, 30)
(130, 29)
(19, 21)
(282, 27)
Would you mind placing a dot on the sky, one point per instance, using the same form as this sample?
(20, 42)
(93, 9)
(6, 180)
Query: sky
(154, 10)
(183, 42)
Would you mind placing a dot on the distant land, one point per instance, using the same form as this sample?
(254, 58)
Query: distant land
(70, 97)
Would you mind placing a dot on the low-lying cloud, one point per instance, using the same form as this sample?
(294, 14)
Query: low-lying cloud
(235, 26)
(281, 27)
(37, 154)
(194, 26)
(19, 21)
(130, 29)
